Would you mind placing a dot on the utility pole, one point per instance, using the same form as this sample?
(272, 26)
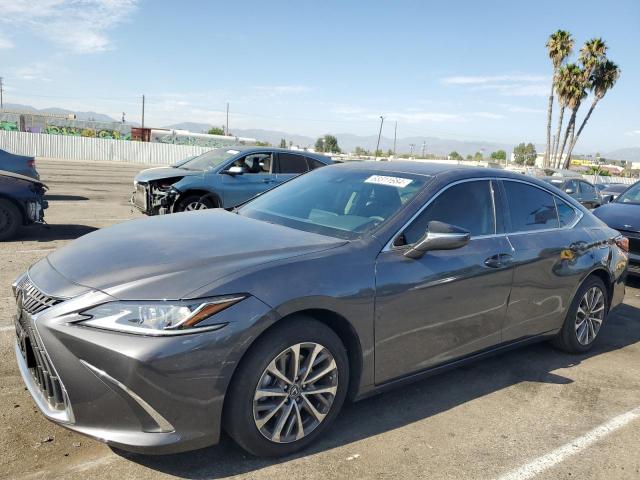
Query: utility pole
(123, 120)
(1, 99)
(411, 145)
(424, 149)
(227, 127)
(142, 111)
(375, 154)
(395, 136)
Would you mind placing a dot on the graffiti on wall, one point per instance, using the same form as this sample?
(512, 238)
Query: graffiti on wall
(87, 132)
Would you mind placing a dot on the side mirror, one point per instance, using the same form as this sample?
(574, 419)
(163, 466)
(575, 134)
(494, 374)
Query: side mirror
(233, 171)
(569, 191)
(607, 198)
(439, 236)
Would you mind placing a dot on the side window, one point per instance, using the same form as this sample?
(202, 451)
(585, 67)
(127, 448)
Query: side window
(255, 163)
(468, 205)
(566, 214)
(571, 185)
(587, 189)
(313, 163)
(530, 208)
(291, 163)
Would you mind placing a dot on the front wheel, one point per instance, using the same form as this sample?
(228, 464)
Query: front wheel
(194, 202)
(288, 389)
(585, 317)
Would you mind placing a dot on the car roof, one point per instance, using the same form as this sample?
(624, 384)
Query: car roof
(432, 169)
(251, 149)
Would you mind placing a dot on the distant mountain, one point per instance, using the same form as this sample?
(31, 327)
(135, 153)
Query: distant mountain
(94, 116)
(348, 142)
(631, 154)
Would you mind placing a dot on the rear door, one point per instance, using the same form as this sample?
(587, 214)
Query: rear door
(290, 165)
(549, 254)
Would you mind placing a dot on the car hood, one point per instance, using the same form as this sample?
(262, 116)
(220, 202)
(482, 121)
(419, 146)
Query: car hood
(169, 256)
(19, 176)
(621, 216)
(159, 173)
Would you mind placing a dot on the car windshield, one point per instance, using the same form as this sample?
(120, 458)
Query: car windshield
(632, 195)
(209, 159)
(335, 201)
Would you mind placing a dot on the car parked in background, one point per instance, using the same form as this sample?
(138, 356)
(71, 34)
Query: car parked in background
(21, 202)
(22, 164)
(610, 191)
(623, 214)
(224, 177)
(583, 191)
(154, 334)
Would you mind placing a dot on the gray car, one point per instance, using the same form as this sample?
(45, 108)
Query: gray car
(153, 335)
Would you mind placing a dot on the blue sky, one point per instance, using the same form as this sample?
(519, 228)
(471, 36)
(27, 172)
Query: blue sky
(468, 70)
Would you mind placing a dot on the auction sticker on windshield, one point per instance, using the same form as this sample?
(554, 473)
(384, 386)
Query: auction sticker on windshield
(389, 181)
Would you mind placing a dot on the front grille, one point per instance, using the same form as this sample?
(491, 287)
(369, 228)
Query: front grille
(33, 300)
(39, 364)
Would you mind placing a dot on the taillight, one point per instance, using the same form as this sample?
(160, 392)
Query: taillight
(623, 243)
(31, 163)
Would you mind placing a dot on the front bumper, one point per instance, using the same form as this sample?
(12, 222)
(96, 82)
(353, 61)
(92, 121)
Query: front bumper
(143, 394)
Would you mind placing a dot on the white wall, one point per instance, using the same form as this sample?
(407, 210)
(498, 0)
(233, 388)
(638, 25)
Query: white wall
(95, 149)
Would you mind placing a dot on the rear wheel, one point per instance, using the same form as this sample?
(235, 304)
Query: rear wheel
(10, 219)
(288, 389)
(585, 317)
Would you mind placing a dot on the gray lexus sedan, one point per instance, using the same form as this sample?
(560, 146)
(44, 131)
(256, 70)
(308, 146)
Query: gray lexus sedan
(155, 334)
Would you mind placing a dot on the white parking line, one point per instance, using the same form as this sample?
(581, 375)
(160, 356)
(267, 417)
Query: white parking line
(556, 456)
(6, 329)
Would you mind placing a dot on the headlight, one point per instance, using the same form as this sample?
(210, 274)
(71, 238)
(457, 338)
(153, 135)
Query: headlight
(156, 318)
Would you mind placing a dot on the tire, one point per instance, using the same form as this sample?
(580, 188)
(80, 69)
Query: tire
(581, 328)
(195, 202)
(249, 416)
(10, 219)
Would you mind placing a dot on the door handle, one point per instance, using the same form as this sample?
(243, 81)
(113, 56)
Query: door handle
(498, 260)
(267, 180)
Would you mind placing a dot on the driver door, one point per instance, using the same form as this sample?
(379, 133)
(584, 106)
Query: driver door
(449, 303)
(257, 176)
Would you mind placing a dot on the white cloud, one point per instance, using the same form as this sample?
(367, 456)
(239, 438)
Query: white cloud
(274, 90)
(78, 26)
(5, 43)
(488, 115)
(36, 71)
(477, 80)
(519, 109)
(507, 85)
(633, 133)
(434, 117)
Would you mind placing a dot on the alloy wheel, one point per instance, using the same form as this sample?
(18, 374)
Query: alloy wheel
(295, 392)
(590, 315)
(195, 206)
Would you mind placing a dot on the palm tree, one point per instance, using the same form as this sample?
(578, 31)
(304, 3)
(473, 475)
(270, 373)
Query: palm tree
(559, 46)
(592, 53)
(575, 90)
(603, 78)
(562, 82)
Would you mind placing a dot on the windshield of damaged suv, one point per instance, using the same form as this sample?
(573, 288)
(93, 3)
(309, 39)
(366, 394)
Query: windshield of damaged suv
(209, 159)
(335, 201)
(632, 195)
